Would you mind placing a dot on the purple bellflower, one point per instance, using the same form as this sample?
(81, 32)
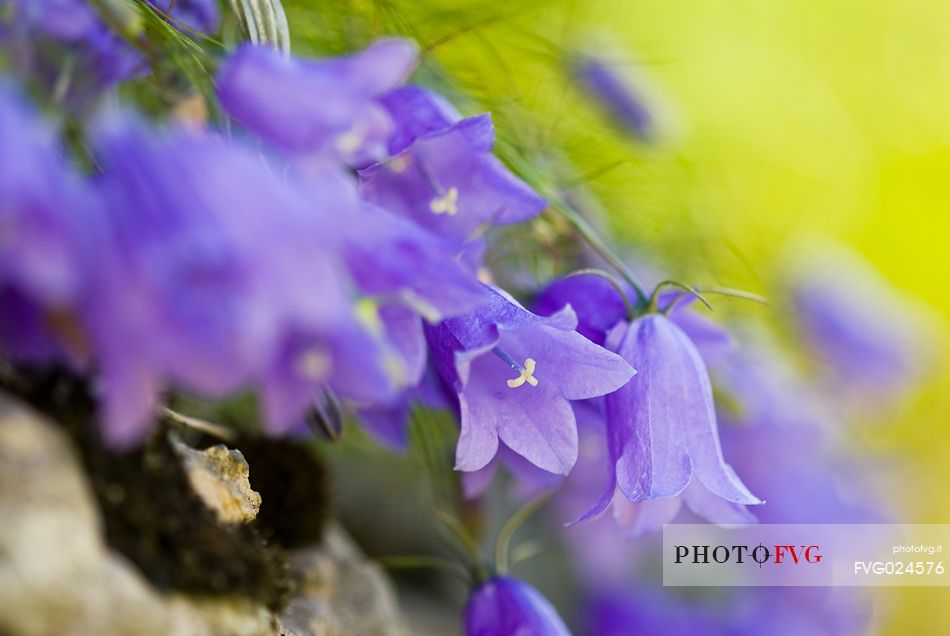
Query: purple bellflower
(48, 227)
(326, 107)
(443, 174)
(662, 433)
(515, 374)
(504, 606)
(663, 423)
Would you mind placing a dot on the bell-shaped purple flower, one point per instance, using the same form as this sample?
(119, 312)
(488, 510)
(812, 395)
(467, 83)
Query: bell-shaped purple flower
(48, 227)
(327, 106)
(515, 374)
(503, 606)
(444, 175)
(662, 433)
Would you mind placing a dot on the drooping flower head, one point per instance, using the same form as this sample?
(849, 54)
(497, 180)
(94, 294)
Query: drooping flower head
(515, 374)
(661, 432)
(326, 107)
(666, 429)
(503, 606)
(442, 174)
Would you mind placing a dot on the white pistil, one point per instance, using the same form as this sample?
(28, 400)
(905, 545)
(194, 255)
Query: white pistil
(447, 203)
(525, 375)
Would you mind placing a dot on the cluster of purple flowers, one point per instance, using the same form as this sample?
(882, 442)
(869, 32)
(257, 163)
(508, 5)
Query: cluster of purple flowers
(332, 242)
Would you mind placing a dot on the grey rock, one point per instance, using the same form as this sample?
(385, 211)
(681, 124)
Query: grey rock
(57, 575)
(338, 592)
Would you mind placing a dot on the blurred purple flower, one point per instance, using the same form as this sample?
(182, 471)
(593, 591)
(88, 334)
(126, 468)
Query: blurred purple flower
(648, 611)
(66, 47)
(661, 428)
(615, 94)
(326, 106)
(444, 175)
(217, 268)
(515, 374)
(393, 259)
(48, 227)
(861, 329)
(200, 15)
(504, 606)
(780, 440)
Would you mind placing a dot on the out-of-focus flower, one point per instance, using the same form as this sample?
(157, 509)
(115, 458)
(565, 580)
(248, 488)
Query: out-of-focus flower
(200, 15)
(444, 175)
(858, 327)
(614, 93)
(515, 374)
(324, 107)
(216, 266)
(503, 606)
(779, 439)
(393, 259)
(649, 611)
(662, 434)
(48, 228)
(66, 47)
(774, 611)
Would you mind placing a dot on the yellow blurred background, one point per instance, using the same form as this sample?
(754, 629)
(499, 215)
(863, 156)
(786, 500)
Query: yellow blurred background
(784, 117)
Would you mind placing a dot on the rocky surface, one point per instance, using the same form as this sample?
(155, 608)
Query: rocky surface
(57, 575)
(221, 477)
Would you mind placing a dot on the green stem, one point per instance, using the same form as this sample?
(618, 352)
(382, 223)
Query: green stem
(511, 526)
(692, 291)
(572, 216)
(735, 293)
(583, 228)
